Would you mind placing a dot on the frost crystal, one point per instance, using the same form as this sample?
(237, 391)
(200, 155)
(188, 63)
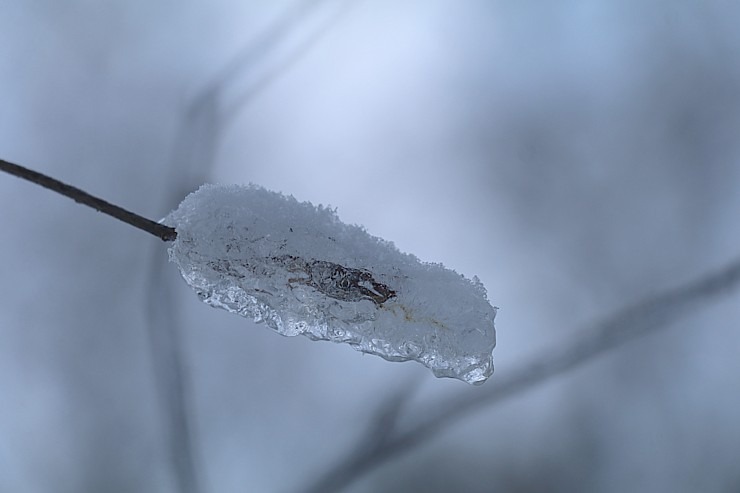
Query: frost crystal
(300, 270)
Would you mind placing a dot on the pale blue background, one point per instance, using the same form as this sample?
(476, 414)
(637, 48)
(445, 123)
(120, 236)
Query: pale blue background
(576, 156)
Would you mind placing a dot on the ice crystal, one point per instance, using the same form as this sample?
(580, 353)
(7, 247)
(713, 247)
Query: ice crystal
(300, 270)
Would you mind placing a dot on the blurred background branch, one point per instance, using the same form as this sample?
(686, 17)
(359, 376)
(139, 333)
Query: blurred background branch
(205, 120)
(657, 312)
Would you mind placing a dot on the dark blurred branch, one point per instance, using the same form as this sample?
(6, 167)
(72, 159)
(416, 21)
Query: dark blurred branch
(161, 231)
(261, 48)
(253, 69)
(205, 119)
(171, 379)
(637, 320)
(308, 13)
(381, 429)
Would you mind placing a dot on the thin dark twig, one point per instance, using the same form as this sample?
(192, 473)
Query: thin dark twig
(640, 319)
(161, 231)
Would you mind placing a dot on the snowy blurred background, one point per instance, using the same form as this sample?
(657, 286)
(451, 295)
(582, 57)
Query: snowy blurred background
(577, 156)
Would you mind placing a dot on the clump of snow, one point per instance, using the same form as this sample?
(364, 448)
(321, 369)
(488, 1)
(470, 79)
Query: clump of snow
(300, 270)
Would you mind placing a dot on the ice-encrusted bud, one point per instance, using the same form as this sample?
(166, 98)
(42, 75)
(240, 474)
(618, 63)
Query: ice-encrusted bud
(300, 270)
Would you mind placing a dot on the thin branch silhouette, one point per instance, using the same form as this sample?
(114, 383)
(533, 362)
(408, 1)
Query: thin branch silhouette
(171, 379)
(640, 319)
(161, 231)
(204, 121)
(381, 428)
(292, 51)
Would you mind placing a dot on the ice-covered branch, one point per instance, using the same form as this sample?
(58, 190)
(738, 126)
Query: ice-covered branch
(301, 271)
(642, 318)
(161, 231)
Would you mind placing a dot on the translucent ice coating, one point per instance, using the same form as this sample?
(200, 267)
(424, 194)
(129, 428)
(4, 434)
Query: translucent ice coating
(300, 270)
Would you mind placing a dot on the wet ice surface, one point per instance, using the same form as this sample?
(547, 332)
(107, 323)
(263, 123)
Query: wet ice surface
(300, 270)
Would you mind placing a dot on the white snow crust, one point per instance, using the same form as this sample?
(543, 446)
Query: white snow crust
(300, 270)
